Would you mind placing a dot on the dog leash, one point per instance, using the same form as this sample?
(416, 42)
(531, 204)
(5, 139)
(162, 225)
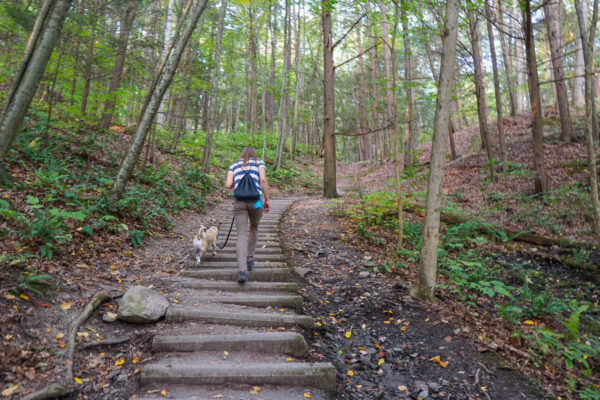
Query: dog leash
(231, 227)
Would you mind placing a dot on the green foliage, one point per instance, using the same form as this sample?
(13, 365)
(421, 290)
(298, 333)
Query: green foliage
(30, 279)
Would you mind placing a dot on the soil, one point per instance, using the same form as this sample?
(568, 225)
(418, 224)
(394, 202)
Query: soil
(368, 317)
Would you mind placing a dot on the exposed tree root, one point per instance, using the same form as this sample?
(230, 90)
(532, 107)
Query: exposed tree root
(114, 340)
(55, 390)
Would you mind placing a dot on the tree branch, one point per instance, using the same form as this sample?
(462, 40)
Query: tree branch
(363, 132)
(348, 31)
(353, 58)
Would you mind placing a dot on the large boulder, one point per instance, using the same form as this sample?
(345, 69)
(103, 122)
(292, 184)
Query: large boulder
(141, 305)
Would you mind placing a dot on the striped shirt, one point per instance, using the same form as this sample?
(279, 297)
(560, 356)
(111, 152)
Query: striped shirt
(252, 166)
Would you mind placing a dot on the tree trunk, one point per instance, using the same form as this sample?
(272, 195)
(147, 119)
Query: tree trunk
(498, 94)
(117, 71)
(283, 125)
(541, 180)
(155, 95)
(365, 143)
(253, 73)
(431, 229)
(211, 127)
(552, 12)
(410, 135)
(39, 49)
(271, 92)
(387, 71)
(480, 87)
(329, 178)
(508, 70)
(519, 56)
(375, 124)
(588, 56)
(579, 80)
(87, 68)
(298, 93)
(166, 48)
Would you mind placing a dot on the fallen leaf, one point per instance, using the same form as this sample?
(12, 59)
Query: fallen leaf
(308, 396)
(23, 296)
(163, 392)
(443, 364)
(348, 335)
(529, 322)
(79, 381)
(255, 390)
(289, 359)
(135, 360)
(8, 337)
(9, 391)
(403, 388)
(350, 373)
(65, 306)
(9, 296)
(119, 362)
(381, 361)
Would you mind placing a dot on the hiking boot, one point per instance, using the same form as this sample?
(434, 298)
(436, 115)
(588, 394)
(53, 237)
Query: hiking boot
(242, 277)
(250, 263)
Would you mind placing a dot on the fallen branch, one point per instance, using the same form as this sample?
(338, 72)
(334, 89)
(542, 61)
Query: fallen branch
(516, 236)
(62, 389)
(114, 340)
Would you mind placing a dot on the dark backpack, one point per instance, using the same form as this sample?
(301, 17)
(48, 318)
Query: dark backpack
(246, 189)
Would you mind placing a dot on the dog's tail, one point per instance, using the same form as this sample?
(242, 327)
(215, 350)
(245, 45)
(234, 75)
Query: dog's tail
(202, 232)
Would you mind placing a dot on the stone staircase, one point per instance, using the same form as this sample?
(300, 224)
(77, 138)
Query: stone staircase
(230, 341)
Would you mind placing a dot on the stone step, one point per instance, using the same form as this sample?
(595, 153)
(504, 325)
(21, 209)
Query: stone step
(253, 300)
(253, 319)
(232, 257)
(233, 264)
(291, 343)
(259, 250)
(226, 393)
(231, 274)
(317, 375)
(228, 286)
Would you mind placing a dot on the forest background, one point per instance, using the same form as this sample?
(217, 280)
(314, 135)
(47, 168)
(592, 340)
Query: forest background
(119, 115)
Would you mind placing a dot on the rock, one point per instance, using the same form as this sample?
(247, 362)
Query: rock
(302, 271)
(122, 378)
(113, 374)
(141, 305)
(456, 331)
(424, 394)
(433, 386)
(364, 274)
(109, 317)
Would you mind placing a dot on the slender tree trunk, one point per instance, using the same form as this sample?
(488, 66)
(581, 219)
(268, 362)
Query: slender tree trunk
(588, 56)
(480, 87)
(271, 92)
(519, 57)
(375, 124)
(214, 89)
(552, 12)
(579, 80)
(166, 48)
(154, 98)
(365, 143)
(507, 61)
(498, 94)
(38, 51)
(117, 71)
(253, 73)
(87, 69)
(541, 180)
(329, 178)
(298, 92)
(283, 124)
(425, 285)
(410, 135)
(387, 71)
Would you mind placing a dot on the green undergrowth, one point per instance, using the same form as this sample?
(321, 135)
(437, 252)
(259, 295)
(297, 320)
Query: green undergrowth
(548, 310)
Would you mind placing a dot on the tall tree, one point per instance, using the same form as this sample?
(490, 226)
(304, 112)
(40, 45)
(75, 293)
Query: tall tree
(579, 79)
(507, 61)
(541, 179)
(410, 136)
(115, 81)
(42, 40)
(588, 56)
(498, 94)
(283, 125)
(425, 284)
(364, 142)
(387, 73)
(211, 127)
(552, 14)
(153, 100)
(375, 119)
(480, 86)
(329, 178)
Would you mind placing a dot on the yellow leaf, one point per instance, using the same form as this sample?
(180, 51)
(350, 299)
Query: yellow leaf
(119, 362)
(529, 322)
(134, 395)
(62, 345)
(8, 337)
(364, 326)
(381, 361)
(65, 306)
(79, 381)
(163, 392)
(175, 301)
(308, 396)
(318, 323)
(443, 364)
(135, 360)
(350, 373)
(137, 371)
(289, 359)
(9, 391)
(348, 335)
(403, 388)
(226, 352)
(386, 322)
(255, 390)
(402, 328)
(9, 296)
(82, 334)
(435, 359)
(24, 297)
(111, 314)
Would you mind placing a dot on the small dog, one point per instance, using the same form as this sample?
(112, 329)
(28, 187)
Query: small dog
(204, 239)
